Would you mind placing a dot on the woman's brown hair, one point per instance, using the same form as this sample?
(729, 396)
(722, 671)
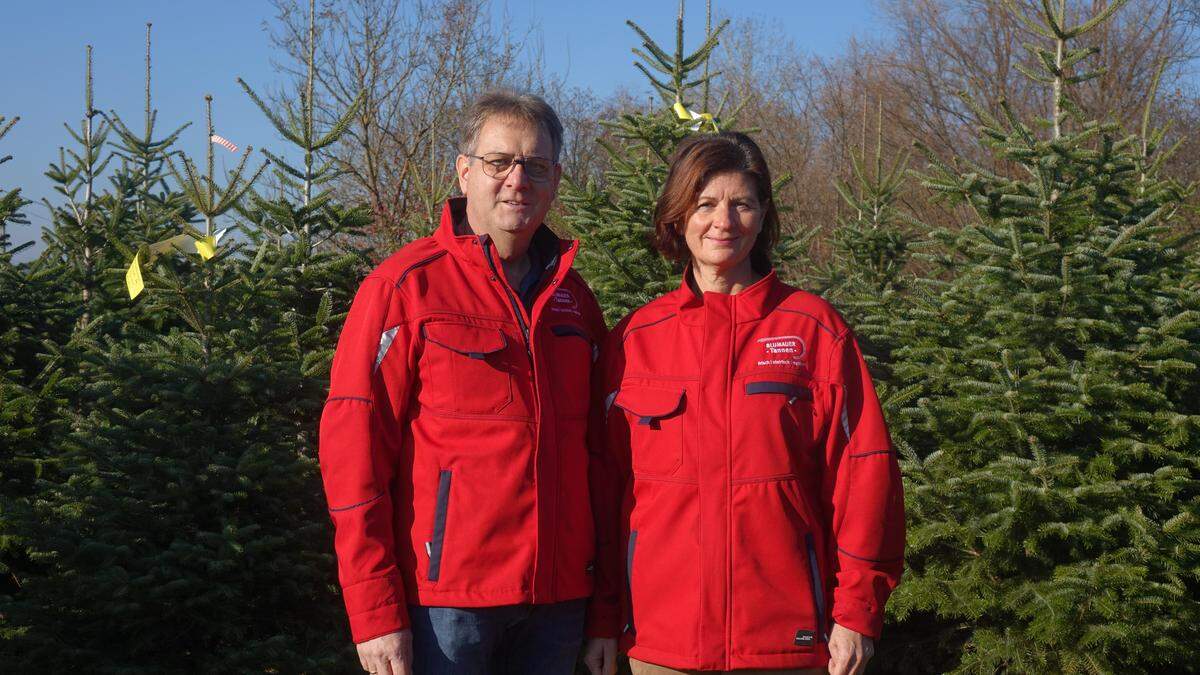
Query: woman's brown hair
(697, 160)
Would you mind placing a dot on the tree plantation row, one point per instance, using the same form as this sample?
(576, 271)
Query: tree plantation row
(1009, 228)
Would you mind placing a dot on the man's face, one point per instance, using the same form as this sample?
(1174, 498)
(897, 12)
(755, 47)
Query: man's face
(514, 203)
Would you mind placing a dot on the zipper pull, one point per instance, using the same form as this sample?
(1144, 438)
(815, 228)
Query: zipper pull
(429, 550)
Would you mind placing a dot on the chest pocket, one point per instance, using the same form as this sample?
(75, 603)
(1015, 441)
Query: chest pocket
(656, 427)
(466, 369)
(779, 433)
(572, 353)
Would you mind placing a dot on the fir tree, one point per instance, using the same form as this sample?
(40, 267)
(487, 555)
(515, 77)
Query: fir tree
(865, 276)
(1051, 460)
(76, 234)
(614, 219)
(183, 528)
(11, 200)
(141, 179)
(11, 423)
(32, 313)
(142, 206)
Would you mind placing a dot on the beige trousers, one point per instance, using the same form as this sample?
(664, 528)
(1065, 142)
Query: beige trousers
(643, 668)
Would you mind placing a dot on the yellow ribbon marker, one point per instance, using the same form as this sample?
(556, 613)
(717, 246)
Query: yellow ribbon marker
(206, 247)
(133, 277)
(700, 118)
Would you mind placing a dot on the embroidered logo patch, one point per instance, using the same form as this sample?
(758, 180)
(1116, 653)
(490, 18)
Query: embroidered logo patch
(563, 301)
(782, 350)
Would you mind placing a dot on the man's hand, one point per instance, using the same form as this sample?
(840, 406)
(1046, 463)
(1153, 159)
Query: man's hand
(600, 656)
(849, 651)
(389, 654)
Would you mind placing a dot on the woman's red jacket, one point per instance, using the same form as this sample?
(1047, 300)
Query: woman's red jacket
(754, 492)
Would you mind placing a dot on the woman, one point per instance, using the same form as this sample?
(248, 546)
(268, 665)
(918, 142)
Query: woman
(761, 521)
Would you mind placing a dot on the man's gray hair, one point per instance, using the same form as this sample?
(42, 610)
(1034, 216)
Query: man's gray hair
(503, 103)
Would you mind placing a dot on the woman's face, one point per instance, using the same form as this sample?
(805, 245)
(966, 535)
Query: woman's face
(725, 223)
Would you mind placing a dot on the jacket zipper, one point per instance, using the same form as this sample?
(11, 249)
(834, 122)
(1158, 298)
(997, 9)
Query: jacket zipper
(435, 544)
(517, 312)
(512, 299)
(629, 628)
(730, 367)
(814, 578)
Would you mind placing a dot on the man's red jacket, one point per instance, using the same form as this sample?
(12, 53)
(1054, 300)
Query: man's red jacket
(452, 443)
(754, 490)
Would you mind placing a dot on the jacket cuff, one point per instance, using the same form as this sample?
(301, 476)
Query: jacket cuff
(602, 621)
(859, 617)
(375, 607)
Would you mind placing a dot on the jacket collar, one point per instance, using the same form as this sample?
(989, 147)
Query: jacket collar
(455, 235)
(752, 303)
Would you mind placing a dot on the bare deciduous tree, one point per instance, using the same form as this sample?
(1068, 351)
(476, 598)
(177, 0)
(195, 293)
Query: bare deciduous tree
(420, 62)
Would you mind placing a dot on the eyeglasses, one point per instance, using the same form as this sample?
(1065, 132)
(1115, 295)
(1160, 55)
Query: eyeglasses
(498, 164)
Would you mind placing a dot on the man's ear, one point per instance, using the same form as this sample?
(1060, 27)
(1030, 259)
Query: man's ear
(462, 166)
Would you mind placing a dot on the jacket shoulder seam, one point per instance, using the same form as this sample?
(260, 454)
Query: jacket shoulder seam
(819, 323)
(420, 263)
(629, 331)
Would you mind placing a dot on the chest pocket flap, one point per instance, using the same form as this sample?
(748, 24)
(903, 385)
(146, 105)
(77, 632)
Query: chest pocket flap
(473, 341)
(656, 441)
(467, 372)
(649, 405)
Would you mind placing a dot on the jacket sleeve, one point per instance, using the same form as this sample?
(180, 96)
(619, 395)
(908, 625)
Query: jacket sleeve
(358, 460)
(863, 495)
(608, 474)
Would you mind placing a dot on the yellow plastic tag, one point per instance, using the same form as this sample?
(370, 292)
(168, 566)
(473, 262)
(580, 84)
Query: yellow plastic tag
(699, 118)
(133, 277)
(206, 247)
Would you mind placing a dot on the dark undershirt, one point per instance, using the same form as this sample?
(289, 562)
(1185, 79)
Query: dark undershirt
(542, 252)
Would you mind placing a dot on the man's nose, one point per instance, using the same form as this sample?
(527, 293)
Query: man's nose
(517, 177)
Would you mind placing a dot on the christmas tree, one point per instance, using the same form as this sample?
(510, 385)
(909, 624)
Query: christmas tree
(1052, 481)
(11, 200)
(865, 274)
(181, 526)
(614, 218)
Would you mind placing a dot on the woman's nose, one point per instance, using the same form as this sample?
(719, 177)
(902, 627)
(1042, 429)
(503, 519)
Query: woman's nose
(724, 217)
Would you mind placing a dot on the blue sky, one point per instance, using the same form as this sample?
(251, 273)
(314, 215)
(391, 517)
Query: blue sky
(202, 47)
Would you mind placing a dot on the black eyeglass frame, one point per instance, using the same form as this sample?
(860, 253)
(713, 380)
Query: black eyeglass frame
(513, 161)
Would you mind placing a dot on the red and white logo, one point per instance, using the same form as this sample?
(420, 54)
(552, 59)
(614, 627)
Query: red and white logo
(563, 301)
(782, 350)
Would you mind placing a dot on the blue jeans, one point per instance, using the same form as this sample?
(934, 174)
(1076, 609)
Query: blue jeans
(514, 639)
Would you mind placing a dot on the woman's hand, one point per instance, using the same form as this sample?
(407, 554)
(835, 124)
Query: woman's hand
(600, 656)
(849, 651)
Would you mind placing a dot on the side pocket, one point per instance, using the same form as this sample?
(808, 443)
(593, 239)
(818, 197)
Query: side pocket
(629, 628)
(439, 525)
(814, 578)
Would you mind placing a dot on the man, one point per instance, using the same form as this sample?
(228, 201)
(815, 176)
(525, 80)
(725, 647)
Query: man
(452, 444)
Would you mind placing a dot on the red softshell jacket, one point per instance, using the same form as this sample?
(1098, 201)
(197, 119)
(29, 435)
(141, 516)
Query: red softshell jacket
(756, 492)
(453, 442)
